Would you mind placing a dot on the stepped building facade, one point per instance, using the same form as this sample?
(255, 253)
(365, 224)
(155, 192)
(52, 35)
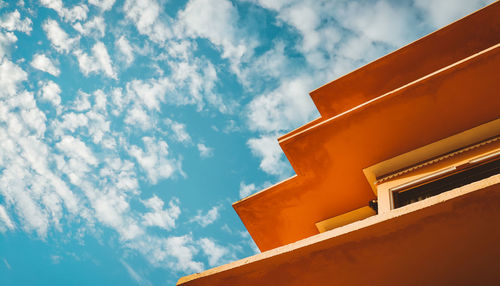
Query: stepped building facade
(397, 182)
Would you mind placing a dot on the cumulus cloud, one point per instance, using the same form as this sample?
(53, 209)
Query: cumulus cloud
(267, 149)
(246, 190)
(179, 131)
(216, 20)
(163, 218)
(103, 4)
(440, 13)
(125, 49)
(284, 108)
(58, 37)
(206, 219)
(154, 159)
(6, 40)
(138, 117)
(70, 121)
(50, 92)
(175, 252)
(145, 16)
(197, 78)
(12, 75)
(77, 13)
(27, 184)
(150, 93)
(99, 61)
(215, 252)
(205, 151)
(43, 63)
(95, 27)
(111, 208)
(12, 22)
(76, 149)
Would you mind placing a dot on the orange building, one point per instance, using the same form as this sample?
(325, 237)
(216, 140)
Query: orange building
(398, 181)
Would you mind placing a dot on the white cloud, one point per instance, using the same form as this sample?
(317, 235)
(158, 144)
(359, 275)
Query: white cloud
(179, 131)
(443, 12)
(103, 4)
(56, 259)
(182, 249)
(273, 63)
(379, 22)
(214, 252)
(11, 75)
(206, 219)
(15, 182)
(97, 62)
(145, 15)
(150, 93)
(43, 63)
(5, 221)
(12, 22)
(284, 108)
(121, 174)
(82, 102)
(205, 151)
(136, 276)
(58, 37)
(125, 49)
(198, 77)
(164, 218)
(6, 40)
(5, 260)
(138, 117)
(50, 92)
(99, 128)
(111, 208)
(77, 13)
(175, 252)
(27, 184)
(304, 17)
(154, 159)
(76, 149)
(95, 27)
(216, 20)
(246, 190)
(267, 149)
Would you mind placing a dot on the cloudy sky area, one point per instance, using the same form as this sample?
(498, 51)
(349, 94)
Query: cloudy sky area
(127, 128)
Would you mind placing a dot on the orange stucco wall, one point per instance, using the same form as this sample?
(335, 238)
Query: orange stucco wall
(329, 157)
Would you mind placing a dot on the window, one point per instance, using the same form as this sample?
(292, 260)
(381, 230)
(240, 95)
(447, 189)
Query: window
(474, 170)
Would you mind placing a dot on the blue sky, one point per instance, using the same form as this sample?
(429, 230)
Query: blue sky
(127, 128)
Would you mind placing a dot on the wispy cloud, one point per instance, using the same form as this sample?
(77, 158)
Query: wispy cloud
(208, 218)
(140, 279)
